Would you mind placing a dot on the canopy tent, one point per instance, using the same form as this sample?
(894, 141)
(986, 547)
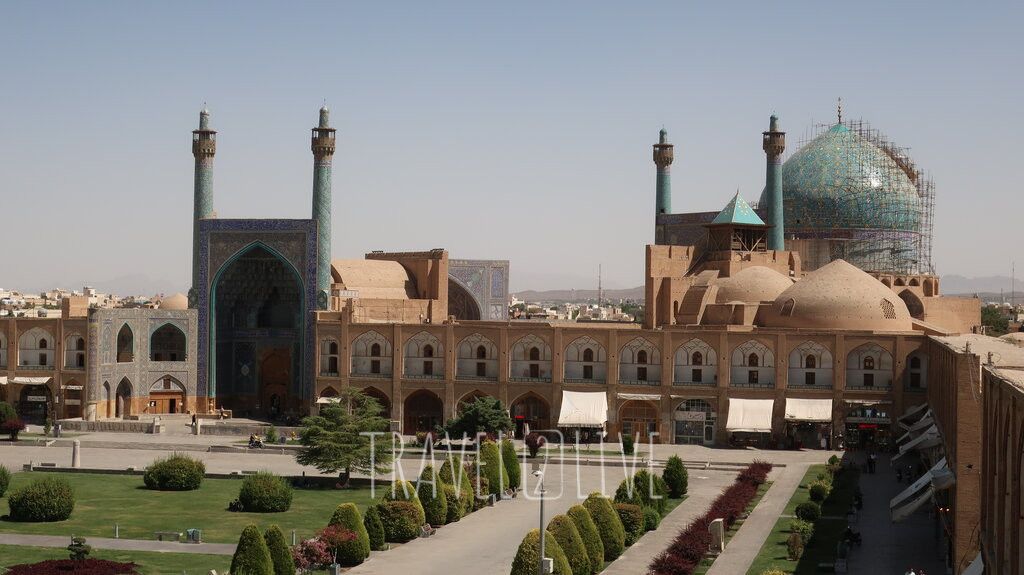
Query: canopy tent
(977, 567)
(640, 396)
(922, 424)
(752, 415)
(325, 400)
(917, 486)
(908, 509)
(3, 380)
(929, 438)
(818, 410)
(25, 380)
(943, 479)
(912, 415)
(583, 409)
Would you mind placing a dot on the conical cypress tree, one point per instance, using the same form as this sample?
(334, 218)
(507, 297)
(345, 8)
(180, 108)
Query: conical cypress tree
(252, 556)
(280, 555)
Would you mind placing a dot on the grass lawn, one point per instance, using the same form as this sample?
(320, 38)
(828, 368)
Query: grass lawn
(706, 564)
(103, 500)
(175, 563)
(827, 531)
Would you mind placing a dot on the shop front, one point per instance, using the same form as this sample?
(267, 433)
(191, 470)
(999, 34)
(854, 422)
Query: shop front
(34, 404)
(750, 422)
(583, 416)
(809, 423)
(868, 426)
(694, 421)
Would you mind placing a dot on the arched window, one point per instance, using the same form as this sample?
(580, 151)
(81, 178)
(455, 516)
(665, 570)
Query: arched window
(42, 343)
(333, 348)
(869, 362)
(371, 355)
(428, 350)
(753, 360)
(167, 344)
(534, 354)
(481, 352)
(698, 358)
(125, 345)
(915, 362)
(375, 350)
(811, 362)
(588, 354)
(641, 356)
(80, 344)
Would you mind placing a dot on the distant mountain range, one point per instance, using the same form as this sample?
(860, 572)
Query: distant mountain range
(987, 287)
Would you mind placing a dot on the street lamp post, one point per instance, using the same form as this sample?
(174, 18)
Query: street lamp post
(540, 560)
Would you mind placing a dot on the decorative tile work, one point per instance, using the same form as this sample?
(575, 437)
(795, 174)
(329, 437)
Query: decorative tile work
(487, 283)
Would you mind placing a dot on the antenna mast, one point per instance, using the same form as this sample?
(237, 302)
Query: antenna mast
(598, 285)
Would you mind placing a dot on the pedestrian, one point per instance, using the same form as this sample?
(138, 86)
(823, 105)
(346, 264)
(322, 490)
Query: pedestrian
(824, 442)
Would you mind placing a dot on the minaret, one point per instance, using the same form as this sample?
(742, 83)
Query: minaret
(204, 147)
(663, 156)
(323, 153)
(774, 143)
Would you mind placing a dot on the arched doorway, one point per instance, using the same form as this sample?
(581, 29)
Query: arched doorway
(123, 401)
(73, 399)
(166, 395)
(695, 423)
(34, 404)
(638, 418)
(530, 412)
(381, 398)
(108, 411)
(424, 411)
(461, 303)
(257, 333)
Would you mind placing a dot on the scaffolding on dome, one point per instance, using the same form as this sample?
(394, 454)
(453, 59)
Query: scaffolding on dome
(875, 214)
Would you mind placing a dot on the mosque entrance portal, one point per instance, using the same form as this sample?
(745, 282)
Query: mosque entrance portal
(257, 334)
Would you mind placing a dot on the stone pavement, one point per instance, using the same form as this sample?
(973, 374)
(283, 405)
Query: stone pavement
(119, 544)
(745, 544)
(636, 559)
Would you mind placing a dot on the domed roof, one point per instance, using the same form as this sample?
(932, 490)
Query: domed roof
(839, 296)
(752, 284)
(839, 180)
(1016, 338)
(374, 279)
(175, 302)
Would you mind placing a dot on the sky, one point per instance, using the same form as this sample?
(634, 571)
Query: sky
(516, 130)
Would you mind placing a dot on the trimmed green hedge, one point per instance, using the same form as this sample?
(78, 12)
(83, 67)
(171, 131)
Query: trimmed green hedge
(401, 520)
(677, 479)
(280, 554)
(176, 472)
(252, 556)
(568, 537)
(511, 461)
(454, 504)
(613, 534)
(46, 499)
(356, 551)
(590, 536)
(492, 468)
(374, 528)
(528, 556)
(632, 517)
(464, 486)
(651, 519)
(643, 490)
(5, 480)
(808, 511)
(431, 495)
(265, 492)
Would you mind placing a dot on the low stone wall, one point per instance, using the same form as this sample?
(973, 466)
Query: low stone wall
(226, 427)
(118, 425)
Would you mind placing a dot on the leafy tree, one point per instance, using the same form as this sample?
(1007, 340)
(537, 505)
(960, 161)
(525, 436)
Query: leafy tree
(332, 442)
(484, 415)
(280, 555)
(993, 319)
(252, 556)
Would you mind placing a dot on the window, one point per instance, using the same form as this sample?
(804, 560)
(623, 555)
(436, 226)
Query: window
(753, 360)
(81, 360)
(752, 376)
(157, 356)
(641, 374)
(428, 367)
(481, 352)
(481, 369)
(534, 370)
(428, 351)
(174, 356)
(588, 372)
(698, 358)
(869, 380)
(80, 344)
(375, 350)
(374, 366)
(627, 429)
(915, 362)
(915, 380)
(42, 343)
(534, 354)
(811, 362)
(588, 354)
(333, 348)
(869, 362)
(698, 375)
(42, 359)
(641, 356)
(809, 378)
(332, 364)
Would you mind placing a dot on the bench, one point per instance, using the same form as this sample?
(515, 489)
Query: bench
(172, 535)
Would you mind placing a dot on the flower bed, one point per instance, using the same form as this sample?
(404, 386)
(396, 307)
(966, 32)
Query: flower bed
(692, 544)
(62, 566)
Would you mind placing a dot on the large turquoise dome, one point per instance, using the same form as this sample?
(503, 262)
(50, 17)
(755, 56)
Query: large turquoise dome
(841, 181)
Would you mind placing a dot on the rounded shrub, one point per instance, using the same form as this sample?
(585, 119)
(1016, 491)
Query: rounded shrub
(404, 491)
(528, 556)
(400, 520)
(431, 495)
(794, 546)
(510, 459)
(492, 468)
(265, 492)
(676, 477)
(357, 550)
(47, 499)
(374, 528)
(588, 533)
(252, 556)
(176, 472)
(803, 528)
(568, 537)
(773, 572)
(280, 555)
(458, 477)
(819, 490)
(632, 517)
(651, 519)
(454, 504)
(613, 535)
(7, 411)
(5, 480)
(628, 445)
(808, 511)
(643, 490)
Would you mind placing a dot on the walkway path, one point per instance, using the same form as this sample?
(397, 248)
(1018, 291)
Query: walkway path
(119, 544)
(639, 556)
(744, 546)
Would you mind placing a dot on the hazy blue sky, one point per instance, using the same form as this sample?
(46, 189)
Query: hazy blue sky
(516, 131)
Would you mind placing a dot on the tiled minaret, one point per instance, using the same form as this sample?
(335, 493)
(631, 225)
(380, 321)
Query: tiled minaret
(323, 152)
(774, 143)
(663, 156)
(204, 147)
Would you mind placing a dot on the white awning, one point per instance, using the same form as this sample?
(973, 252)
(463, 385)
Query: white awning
(909, 508)
(819, 410)
(868, 401)
(31, 380)
(923, 424)
(922, 482)
(640, 396)
(3, 380)
(943, 479)
(977, 567)
(325, 400)
(74, 387)
(929, 438)
(583, 409)
(753, 415)
(912, 415)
